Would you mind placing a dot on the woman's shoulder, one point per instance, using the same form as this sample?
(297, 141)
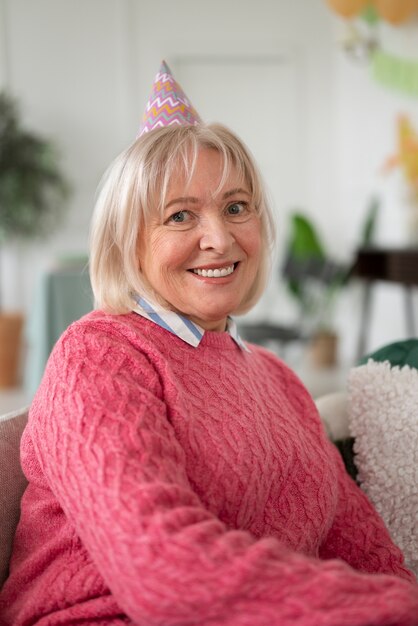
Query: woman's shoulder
(107, 328)
(105, 352)
(98, 337)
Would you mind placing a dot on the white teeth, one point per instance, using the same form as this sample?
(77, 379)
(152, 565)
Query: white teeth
(216, 273)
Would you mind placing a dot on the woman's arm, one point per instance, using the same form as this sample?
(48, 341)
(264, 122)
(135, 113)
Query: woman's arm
(358, 534)
(111, 457)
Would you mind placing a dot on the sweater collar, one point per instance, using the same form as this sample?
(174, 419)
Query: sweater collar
(180, 325)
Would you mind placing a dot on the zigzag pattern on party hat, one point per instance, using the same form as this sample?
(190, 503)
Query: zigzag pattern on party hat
(168, 104)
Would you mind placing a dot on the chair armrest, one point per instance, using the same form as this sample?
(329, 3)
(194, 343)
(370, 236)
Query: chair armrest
(333, 409)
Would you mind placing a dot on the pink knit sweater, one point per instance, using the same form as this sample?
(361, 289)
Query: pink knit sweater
(179, 486)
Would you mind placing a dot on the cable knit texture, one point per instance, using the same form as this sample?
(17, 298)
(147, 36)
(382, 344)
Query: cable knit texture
(180, 486)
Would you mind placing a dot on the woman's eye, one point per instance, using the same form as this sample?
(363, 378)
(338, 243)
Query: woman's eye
(237, 208)
(179, 218)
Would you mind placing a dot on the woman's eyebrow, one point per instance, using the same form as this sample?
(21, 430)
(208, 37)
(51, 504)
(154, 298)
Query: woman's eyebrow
(194, 200)
(233, 192)
(182, 200)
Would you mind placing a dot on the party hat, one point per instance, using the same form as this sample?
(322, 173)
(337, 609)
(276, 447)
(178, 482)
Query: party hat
(168, 104)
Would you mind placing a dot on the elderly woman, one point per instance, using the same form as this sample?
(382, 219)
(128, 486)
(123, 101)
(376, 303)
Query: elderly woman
(178, 476)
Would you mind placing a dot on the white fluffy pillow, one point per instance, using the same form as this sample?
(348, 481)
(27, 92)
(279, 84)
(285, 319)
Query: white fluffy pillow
(383, 418)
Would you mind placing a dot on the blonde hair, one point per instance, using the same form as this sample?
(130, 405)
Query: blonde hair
(136, 185)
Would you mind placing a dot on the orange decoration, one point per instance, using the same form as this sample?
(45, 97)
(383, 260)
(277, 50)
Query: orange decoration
(347, 8)
(395, 11)
(407, 155)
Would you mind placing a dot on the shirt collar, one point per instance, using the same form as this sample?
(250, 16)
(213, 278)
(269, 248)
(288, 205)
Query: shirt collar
(180, 325)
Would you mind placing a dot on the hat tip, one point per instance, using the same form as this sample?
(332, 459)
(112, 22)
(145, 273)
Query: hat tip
(164, 69)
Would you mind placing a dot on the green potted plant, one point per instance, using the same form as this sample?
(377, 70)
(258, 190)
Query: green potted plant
(315, 280)
(32, 194)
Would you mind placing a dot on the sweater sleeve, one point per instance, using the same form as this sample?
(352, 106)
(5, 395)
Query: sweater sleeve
(358, 534)
(110, 455)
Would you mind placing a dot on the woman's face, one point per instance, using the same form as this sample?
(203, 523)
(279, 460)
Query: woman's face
(203, 254)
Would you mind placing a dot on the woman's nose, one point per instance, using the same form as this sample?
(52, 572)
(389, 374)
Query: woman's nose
(216, 235)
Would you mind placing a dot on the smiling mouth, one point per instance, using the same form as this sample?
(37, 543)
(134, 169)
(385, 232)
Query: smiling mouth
(216, 272)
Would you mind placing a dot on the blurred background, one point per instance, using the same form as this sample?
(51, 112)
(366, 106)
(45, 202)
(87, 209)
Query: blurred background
(325, 94)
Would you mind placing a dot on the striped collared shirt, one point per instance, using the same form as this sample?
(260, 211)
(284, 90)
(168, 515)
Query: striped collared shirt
(180, 325)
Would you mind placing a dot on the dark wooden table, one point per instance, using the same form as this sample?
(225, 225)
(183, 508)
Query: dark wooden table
(396, 265)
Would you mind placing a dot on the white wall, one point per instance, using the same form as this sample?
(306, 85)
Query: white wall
(366, 135)
(83, 70)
